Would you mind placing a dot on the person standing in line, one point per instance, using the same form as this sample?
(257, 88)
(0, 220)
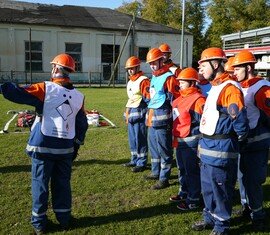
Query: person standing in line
(223, 124)
(167, 53)
(56, 135)
(187, 111)
(228, 66)
(254, 151)
(136, 108)
(163, 89)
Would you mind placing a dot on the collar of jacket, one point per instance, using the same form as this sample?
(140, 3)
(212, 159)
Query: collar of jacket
(222, 78)
(164, 69)
(189, 91)
(249, 82)
(135, 76)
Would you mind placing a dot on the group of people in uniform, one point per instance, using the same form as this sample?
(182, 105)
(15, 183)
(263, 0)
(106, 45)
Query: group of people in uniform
(217, 118)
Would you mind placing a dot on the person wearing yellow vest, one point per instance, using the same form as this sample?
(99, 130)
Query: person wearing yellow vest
(167, 53)
(163, 89)
(254, 152)
(223, 124)
(187, 111)
(136, 108)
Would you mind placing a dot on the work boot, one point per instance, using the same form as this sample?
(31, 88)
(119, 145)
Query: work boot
(177, 198)
(183, 206)
(161, 185)
(138, 169)
(151, 177)
(244, 212)
(201, 225)
(129, 164)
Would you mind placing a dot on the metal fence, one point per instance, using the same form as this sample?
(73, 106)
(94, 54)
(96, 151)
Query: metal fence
(86, 79)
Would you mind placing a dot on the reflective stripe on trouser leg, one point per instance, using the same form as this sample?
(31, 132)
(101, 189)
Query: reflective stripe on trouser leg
(41, 171)
(61, 190)
(142, 144)
(217, 188)
(132, 143)
(155, 158)
(161, 147)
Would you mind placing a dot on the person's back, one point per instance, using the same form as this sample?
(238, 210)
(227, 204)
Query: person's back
(58, 131)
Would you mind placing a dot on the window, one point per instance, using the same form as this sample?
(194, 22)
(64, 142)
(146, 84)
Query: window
(75, 50)
(107, 53)
(35, 57)
(142, 52)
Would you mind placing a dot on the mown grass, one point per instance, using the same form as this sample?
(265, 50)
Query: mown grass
(107, 198)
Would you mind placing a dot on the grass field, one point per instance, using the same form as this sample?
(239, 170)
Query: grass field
(107, 198)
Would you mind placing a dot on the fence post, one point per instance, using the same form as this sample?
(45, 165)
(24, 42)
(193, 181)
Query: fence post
(25, 77)
(89, 78)
(100, 79)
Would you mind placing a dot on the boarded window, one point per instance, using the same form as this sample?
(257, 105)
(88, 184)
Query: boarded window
(75, 50)
(35, 56)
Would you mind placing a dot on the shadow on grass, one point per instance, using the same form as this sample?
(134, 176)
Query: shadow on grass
(100, 161)
(15, 168)
(137, 214)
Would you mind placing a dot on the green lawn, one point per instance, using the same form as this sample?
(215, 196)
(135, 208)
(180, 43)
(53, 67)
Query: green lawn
(107, 198)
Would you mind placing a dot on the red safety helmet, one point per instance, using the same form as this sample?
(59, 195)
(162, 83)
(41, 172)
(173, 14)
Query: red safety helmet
(213, 53)
(165, 48)
(132, 62)
(244, 57)
(228, 66)
(153, 55)
(65, 61)
(188, 74)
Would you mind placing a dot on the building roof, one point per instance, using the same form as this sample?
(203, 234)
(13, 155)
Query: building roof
(75, 16)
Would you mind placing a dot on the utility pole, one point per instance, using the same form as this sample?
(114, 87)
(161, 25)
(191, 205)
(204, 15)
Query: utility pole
(182, 34)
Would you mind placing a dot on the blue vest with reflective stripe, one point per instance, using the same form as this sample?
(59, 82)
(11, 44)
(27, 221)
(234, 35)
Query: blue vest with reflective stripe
(157, 94)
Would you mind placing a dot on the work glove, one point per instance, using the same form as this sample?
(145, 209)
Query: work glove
(76, 149)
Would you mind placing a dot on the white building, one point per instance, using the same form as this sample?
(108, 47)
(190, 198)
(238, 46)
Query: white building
(257, 41)
(93, 36)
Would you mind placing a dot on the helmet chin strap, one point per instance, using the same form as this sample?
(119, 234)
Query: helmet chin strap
(212, 77)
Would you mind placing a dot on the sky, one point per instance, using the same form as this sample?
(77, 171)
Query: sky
(89, 3)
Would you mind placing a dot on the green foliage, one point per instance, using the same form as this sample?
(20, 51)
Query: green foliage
(132, 8)
(107, 197)
(238, 15)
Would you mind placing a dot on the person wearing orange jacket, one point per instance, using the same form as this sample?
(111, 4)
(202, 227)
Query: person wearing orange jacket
(187, 111)
(223, 124)
(56, 135)
(253, 152)
(163, 89)
(167, 53)
(136, 108)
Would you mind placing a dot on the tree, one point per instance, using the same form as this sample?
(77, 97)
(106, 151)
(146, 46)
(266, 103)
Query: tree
(132, 8)
(232, 16)
(195, 20)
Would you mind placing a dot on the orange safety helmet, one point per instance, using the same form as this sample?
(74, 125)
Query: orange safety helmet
(228, 66)
(212, 53)
(188, 74)
(65, 61)
(153, 55)
(132, 62)
(244, 57)
(165, 48)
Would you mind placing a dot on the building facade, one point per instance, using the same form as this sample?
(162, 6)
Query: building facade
(32, 34)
